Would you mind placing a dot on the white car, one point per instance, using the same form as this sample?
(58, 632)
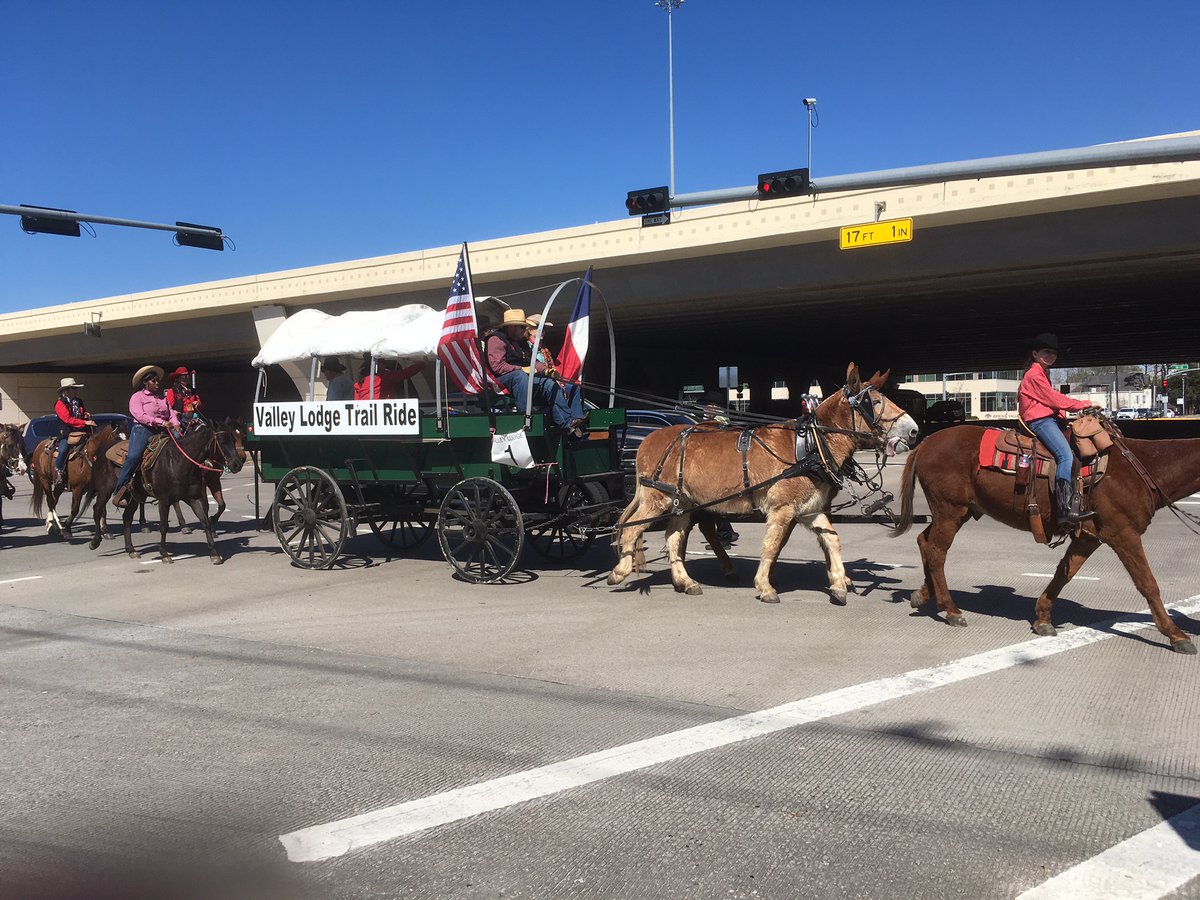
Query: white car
(1127, 412)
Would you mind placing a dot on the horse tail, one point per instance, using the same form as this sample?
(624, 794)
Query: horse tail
(639, 548)
(38, 494)
(907, 486)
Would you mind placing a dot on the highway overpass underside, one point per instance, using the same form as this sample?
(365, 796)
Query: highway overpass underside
(1118, 283)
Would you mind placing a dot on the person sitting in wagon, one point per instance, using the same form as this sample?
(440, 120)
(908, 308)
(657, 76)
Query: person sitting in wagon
(151, 414)
(338, 383)
(544, 355)
(510, 359)
(183, 398)
(72, 416)
(387, 380)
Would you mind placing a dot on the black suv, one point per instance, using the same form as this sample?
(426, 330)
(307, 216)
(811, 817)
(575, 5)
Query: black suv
(638, 424)
(47, 426)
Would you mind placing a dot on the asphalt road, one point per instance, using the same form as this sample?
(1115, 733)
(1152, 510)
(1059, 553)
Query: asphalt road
(205, 731)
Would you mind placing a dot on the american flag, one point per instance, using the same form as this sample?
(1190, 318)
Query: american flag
(458, 347)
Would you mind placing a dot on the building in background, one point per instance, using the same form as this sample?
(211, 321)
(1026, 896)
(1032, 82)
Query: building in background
(993, 395)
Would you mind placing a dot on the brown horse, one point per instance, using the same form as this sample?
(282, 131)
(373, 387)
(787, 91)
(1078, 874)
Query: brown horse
(212, 479)
(80, 480)
(12, 462)
(178, 474)
(713, 467)
(947, 465)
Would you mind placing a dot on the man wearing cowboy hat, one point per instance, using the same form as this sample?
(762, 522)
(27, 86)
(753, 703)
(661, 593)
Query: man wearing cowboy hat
(510, 359)
(339, 385)
(151, 413)
(72, 416)
(182, 397)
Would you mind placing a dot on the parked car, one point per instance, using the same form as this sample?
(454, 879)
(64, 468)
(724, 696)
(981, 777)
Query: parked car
(638, 424)
(944, 414)
(1145, 412)
(47, 426)
(1127, 412)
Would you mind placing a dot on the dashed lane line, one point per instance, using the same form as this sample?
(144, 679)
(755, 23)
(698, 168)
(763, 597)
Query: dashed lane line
(15, 580)
(337, 838)
(1148, 865)
(1043, 575)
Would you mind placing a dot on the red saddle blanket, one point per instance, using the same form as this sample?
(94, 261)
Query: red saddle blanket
(1004, 460)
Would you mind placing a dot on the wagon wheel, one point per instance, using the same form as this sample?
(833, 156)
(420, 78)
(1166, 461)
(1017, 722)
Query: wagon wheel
(480, 530)
(310, 517)
(565, 538)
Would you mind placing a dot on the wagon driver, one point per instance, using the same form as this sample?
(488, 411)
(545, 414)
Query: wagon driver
(510, 358)
(151, 414)
(72, 416)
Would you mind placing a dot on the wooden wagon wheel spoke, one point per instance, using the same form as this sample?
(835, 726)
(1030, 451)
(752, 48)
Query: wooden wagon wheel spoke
(563, 539)
(311, 522)
(480, 517)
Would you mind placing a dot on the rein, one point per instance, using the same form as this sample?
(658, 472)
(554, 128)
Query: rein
(188, 458)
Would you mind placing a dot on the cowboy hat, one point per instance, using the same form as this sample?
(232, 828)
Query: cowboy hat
(141, 374)
(68, 382)
(514, 317)
(332, 364)
(181, 372)
(1045, 341)
(536, 319)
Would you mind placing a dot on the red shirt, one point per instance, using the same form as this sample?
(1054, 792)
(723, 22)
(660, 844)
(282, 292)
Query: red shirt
(1036, 399)
(385, 382)
(63, 409)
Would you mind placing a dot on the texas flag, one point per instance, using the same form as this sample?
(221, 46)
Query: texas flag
(575, 346)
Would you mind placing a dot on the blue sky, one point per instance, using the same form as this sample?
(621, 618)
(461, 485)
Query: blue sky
(320, 132)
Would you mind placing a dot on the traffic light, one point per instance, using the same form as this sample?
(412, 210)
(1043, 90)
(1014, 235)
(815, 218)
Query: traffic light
(35, 224)
(791, 183)
(647, 200)
(214, 241)
(1164, 384)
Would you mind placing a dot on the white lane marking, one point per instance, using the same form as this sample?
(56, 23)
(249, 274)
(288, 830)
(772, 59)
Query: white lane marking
(1187, 502)
(1043, 575)
(158, 559)
(336, 838)
(1148, 865)
(15, 580)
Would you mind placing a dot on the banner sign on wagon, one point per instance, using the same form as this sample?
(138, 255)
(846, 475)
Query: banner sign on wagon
(347, 417)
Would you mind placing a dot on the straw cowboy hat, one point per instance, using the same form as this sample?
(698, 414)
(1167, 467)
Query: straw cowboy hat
(536, 319)
(514, 317)
(141, 373)
(68, 382)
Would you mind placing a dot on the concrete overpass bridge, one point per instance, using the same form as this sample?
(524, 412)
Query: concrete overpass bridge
(1109, 257)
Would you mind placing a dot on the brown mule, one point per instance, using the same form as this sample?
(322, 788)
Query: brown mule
(80, 480)
(712, 468)
(947, 465)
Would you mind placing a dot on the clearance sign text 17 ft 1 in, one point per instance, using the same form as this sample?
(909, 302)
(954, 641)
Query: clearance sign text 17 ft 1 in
(359, 417)
(892, 231)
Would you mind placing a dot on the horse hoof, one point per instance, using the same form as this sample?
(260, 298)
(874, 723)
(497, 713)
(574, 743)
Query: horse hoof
(166, 561)
(614, 579)
(731, 576)
(1045, 629)
(185, 530)
(956, 621)
(915, 600)
(134, 554)
(693, 590)
(93, 543)
(837, 598)
(1186, 647)
(216, 560)
(769, 598)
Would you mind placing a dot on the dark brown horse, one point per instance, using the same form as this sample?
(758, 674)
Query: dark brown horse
(947, 465)
(212, 479)
(12, 462)
(712, 468)
(80, 479)
(178, 474)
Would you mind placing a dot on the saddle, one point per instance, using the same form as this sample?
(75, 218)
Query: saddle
(76, 444)
(1026, 458)
(120, 450)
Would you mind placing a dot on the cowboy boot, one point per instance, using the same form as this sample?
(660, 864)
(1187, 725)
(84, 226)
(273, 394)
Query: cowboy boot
(56, 479)
(1063, 502)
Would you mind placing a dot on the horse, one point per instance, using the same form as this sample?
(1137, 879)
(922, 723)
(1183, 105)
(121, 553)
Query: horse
(80, 479)
(12, 462)
(212, 479)
(1123, 503)
(770, 477)
(178, 474)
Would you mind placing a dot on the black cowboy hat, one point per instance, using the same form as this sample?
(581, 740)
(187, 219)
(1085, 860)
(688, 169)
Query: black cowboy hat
(1045, 341)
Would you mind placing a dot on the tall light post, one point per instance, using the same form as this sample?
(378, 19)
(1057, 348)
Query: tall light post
(810, 103)
(670, 6)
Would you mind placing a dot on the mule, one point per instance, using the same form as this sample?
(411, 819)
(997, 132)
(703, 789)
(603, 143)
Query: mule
(178, 474)
(947, 466)
(713, 467)
(12, 462)
(80, 479)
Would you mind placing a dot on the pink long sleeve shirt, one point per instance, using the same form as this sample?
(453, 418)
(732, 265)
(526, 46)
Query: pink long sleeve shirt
(1037, 399)
(151, 410)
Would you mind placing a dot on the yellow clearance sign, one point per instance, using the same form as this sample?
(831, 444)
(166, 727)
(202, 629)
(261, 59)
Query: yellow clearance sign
(892, 231)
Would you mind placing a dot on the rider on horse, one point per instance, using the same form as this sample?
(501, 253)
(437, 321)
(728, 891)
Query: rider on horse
(151, 413)
(183, 399)
(72, 416)
(1042, 408)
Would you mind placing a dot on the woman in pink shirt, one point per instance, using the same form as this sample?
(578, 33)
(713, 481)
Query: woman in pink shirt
(151, 413)
(1042, 408)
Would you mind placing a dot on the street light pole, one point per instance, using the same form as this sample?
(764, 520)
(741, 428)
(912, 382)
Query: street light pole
(810, 103)
(670, 6)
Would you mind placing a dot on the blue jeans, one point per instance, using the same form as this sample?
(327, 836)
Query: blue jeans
(1050, 433)
(565, 407)
(139, 437)
(63, 450)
